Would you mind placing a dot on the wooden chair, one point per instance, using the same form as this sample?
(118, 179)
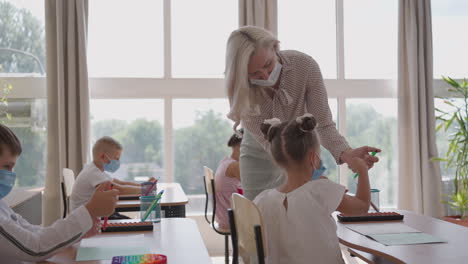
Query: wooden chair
(67, 187)
(208, 180)
(246, 229)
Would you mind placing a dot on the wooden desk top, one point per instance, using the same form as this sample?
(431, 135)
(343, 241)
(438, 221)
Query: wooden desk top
(177, 238)
(455, 251)
(19, 195)
(173, 195)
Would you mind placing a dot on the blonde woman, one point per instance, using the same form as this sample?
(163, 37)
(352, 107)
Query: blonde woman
(264, 82)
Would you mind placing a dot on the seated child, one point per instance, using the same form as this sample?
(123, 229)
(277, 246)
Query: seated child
(297, 215)
(21, 241)
(106, 156)
(227, 180)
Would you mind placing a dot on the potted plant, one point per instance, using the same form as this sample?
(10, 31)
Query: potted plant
(457, 155)
(5, 90)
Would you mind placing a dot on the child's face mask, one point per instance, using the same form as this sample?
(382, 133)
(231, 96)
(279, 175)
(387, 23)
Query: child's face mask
(112, 166)
(7, 181)
(319, 171)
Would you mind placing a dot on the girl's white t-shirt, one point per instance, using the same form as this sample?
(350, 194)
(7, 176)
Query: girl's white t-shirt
(306, 231)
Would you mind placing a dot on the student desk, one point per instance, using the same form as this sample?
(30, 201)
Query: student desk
(177, 238)
(455, 251)
(173, 201)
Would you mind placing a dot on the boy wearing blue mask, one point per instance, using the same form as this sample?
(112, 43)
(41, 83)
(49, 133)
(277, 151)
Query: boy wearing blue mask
(106, 158)
(22, 241)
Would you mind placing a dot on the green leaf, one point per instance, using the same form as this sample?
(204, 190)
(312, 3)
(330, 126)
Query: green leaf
(8, 115)
(451, 81)
(447, 124)
(439, 126)
(439, 159)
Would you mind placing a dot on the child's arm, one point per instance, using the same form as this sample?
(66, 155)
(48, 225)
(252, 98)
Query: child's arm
(125, 182)
(233, 170)
(127, 189)
(20, 243)
(360, 203)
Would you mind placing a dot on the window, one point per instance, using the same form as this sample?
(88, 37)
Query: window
(28, 120)
(449, 25)
(327, 159)
(373, 122)
(310, 27)
(138, 126)
(370, 39)
(200, 30)
(125, 38)
(201, 132)
(22, 43)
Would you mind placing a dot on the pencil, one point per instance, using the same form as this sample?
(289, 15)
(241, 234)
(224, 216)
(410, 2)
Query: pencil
(106, 218)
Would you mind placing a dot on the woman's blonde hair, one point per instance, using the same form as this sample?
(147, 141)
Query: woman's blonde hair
(241, 45)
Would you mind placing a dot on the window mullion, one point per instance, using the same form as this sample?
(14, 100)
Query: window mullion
(340, 40)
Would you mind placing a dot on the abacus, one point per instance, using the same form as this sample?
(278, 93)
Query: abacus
(379, 216)
(126, 225)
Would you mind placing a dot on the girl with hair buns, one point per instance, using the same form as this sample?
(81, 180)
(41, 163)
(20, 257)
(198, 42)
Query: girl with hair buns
(264, 82)
(297, 215)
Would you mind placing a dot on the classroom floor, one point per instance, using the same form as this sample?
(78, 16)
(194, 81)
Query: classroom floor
(347, 258)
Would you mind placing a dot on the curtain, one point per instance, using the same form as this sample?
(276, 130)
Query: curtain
(419, 177)
(67, 97)
(261, 13)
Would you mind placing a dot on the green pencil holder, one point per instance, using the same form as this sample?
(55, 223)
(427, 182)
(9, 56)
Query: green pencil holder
(145, 204)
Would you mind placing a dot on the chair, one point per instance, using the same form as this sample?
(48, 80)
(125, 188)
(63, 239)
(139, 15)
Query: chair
(208, 180)
(246, 229)
(67, 187)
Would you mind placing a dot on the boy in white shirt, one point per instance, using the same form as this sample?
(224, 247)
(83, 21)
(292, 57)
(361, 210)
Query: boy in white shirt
(297, 217)
(22, 241)
(106, 158)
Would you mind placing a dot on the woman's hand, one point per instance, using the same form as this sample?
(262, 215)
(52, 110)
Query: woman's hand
(362, 153)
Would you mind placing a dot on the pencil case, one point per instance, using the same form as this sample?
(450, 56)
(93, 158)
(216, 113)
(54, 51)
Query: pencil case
(379, 216)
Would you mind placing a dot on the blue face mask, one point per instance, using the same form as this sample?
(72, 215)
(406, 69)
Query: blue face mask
(319, 172)
(7, 181)
(112, 166)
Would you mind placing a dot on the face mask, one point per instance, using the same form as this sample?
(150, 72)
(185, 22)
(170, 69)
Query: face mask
(112, 166)
(319, 172)
(272, 79)
(7, 181)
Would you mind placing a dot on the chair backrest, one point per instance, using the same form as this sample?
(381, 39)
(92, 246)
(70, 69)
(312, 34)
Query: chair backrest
(246, 218)
(68, 180)
(209, 177)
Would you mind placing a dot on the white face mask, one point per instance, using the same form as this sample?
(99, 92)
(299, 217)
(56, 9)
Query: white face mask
(272, 79)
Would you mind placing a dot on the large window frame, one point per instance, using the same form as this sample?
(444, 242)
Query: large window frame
(169, 88)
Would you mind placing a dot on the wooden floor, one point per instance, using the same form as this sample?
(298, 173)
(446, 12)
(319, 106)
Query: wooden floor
(347, 258)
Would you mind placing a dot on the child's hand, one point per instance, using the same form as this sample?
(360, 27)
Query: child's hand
(152, 179)
(357, 165)
(103, 201)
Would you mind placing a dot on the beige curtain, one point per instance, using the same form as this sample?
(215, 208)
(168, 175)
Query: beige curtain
(67, 97)
(261, 13)
(419, 177)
